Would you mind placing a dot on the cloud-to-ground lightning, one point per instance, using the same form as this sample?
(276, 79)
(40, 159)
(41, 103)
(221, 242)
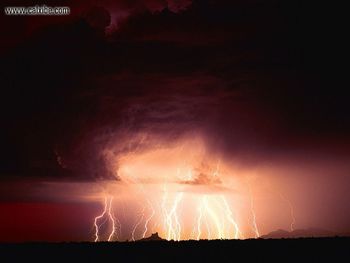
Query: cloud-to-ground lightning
(255, 226)
(291, 210)
(199, 221)
(137, 224)
(252, 211)
(108, 213)
(184, 202)
(230, 218)
(98, 218)
(214, 212)
(148, 219)
(170, 215)
(111, 217)
(214, 218)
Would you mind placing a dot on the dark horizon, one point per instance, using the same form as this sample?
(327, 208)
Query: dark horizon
(288, 250)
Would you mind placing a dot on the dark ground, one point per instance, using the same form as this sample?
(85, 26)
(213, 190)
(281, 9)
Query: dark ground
(284, 250)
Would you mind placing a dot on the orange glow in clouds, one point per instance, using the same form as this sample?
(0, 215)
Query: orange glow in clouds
(180, 191)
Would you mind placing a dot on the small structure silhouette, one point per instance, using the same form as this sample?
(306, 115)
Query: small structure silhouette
(153, 237)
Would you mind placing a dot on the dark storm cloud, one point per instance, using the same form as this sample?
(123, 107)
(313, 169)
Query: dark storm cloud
(238, 71)
(163, 109)
(99, 14)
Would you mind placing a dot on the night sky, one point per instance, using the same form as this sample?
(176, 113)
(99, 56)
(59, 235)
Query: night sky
(259, 83)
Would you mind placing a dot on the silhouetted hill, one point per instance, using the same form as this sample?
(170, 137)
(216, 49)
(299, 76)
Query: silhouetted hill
(218, 251)
(300, 233)
(153, 237)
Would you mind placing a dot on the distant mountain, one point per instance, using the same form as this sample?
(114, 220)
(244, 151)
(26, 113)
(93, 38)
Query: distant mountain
(153, 237)
(345, 234)
(280, 233)
(309, 232)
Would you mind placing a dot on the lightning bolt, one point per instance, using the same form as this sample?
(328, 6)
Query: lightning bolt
(207, 213)
(106, 211)
(208, 229)
(252, 211)
(99, 217)
(291, 210)
(199, 220)
(214, 215)
(148, 219)
(171, 218)
(111, 217)
(255, 226)
(215, 218)
(177, 222)
(229, 216)
(216, 212)
(163, 206)
(137, 224)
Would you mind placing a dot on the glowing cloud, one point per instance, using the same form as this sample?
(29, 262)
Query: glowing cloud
(179, 190)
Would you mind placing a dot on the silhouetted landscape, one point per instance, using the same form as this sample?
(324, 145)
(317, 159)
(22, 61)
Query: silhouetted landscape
(257, 250)
(303, 233)
(153, 237)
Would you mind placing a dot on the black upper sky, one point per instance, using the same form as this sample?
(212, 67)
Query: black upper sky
(259, 78)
